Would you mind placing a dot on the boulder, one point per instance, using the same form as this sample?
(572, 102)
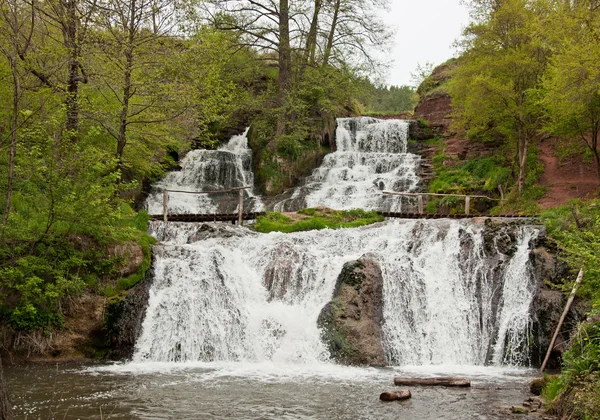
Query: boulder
(395, 395)
(131, 257)
(351, 322)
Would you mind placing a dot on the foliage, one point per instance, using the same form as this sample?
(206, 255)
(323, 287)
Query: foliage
(495, 88)
(392, 100)
(579, 246)
(316, 219)
(576, 392)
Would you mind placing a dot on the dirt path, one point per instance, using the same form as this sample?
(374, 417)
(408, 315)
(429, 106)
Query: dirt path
(571, 179)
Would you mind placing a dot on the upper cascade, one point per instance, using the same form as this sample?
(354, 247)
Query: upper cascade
(371, 156)
(209, 170)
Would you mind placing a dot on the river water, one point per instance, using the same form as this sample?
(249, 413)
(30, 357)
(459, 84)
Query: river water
(255, 391)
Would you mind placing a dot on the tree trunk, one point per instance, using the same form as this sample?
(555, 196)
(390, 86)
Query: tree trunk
(311, 39)
(594, 147)
(73, 79)
(285, 62)
(13, 128)
(334, 21)
(127, 87)
(5, 407)
(523, 146)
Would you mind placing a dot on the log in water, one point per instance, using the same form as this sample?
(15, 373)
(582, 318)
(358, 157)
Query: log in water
(451, 381)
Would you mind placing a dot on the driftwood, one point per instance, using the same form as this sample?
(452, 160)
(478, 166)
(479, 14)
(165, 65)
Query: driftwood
(395, 395)
(455, 382)
(562, 319)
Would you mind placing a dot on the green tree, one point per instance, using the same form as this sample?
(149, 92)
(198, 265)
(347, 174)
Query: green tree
(495, 88)
(572, 95)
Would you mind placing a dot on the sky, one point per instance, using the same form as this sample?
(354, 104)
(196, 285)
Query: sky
(425, 31)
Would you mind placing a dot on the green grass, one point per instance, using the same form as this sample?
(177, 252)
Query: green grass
(315, 219)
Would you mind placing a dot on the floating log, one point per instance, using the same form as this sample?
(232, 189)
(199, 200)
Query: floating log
(451, 381)
(395, 395)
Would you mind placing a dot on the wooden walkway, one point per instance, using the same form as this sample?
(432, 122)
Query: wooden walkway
(451, 216)
(223, 217)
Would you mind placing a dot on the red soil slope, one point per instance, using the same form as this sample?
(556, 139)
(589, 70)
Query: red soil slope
(567, 180)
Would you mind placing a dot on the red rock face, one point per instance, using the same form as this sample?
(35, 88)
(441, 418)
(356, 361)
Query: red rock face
(436, 110)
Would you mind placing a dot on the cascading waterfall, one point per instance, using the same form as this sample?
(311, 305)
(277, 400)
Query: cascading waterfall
(243, 296)
(371, 156)
(224, 293)
(209, 170)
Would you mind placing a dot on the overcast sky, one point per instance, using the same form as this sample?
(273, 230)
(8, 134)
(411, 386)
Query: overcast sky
(425, 31)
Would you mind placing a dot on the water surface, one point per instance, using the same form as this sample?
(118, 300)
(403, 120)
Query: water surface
(255, 391)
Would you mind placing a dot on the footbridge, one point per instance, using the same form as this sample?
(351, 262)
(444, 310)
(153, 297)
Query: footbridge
(242, 216)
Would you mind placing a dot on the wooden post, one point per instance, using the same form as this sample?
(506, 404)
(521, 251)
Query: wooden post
(562, 319)
(467, 204)
(241, 209)
(420, 202)
(165, 204)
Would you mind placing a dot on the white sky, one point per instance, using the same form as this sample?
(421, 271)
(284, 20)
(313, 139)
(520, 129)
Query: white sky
(425, 31)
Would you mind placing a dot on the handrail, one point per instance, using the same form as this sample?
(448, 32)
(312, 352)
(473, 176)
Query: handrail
(241, 198)
(419, 196)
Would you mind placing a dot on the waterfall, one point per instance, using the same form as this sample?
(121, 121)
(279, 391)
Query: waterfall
(371, 156)
(243, 296)
(209, 170)
(451, 295)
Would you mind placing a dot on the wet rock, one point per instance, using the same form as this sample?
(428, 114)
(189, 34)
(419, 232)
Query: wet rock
(283, 272)
(547, 307)
(130, 255)
(218, 230)
(123, 319)
(519, 410)
(351, 322)
(395, 395)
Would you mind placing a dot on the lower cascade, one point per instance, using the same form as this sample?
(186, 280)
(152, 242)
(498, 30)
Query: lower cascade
(452, 295)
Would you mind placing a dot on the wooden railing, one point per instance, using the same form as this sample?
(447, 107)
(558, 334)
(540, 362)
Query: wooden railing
(241, 200)
(420, 198)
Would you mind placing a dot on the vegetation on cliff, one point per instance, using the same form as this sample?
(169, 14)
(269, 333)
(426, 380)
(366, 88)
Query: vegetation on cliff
(315, 219)
(525, 74)
(100, 98)
(576, 230)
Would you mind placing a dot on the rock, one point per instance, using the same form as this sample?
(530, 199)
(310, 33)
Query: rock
(450, 382)
(547, 308)
(519, 410)
(284, 271)
(124, 317)
(395, 395)
(131, 256)
(537, 385)
(351, 322)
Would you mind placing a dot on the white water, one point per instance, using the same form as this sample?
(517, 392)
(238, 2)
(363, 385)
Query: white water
(371, 157)
(227, 294)
(209, 300)
(209, 170)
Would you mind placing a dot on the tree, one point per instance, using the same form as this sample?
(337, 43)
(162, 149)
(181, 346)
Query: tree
(132, 42)
(496, 87)
(15, 30)
(572, 96)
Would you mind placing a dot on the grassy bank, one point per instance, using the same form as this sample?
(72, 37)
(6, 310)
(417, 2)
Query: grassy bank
(315, 219)
(575, 393)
